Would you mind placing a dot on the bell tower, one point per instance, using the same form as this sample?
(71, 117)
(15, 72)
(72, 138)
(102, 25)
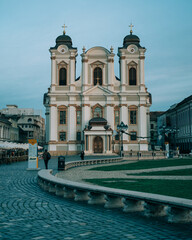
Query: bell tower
(132, 85)
(63, 59)
(131, 58)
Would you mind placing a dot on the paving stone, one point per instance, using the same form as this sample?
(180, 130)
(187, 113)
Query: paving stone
(27, 212)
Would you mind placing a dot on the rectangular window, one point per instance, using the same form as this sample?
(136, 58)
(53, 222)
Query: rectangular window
(63, 117)
(78, 136)
(116, 117)
(133, 136)
(62, 136)
(133, 117)
(78, 116)
(152, 126)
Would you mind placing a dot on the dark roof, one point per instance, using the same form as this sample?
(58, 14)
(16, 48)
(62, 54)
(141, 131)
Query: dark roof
(98, 120)
(3, 119)
(63, 40)
(188, 99)
(177, 105)
(131, 39)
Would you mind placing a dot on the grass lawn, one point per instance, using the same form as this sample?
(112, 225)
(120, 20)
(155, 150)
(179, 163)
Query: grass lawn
(182, 172)
(146, 164)
(175, 188)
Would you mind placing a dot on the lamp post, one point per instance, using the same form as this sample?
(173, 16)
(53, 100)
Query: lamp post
(173, 132)
(122, 128)
(166, 131)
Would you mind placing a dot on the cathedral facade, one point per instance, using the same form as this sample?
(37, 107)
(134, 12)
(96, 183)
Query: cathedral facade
(86, 113)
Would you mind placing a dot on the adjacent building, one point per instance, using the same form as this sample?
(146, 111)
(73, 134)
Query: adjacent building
(5, 128)
(175, 126)
(21, 124)
(84, 113)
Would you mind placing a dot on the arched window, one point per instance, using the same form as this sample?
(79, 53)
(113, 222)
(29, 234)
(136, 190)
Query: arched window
(62, 77)
(132, 76)
(97, 112)
(97, 76)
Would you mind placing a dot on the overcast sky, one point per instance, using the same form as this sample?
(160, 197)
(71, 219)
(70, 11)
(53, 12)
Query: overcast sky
(29, 28)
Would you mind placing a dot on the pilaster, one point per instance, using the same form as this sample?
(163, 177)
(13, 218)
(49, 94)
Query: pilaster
(53, 123)
(72, 122)
(142, 71)
(86, 114)
(72, 73)
(53, 70)
(123, 73)
(84, 72)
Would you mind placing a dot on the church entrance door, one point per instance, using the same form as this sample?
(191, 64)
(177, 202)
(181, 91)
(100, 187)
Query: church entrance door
(98, 145)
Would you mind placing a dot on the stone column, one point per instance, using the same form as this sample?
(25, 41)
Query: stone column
(142, 72)
(110, 114)
(47, 125)
(71, 122)
(86, 115)
(110, 73)
(123, 73)
(53, 70)
(53, 123)
(84, 71)
(90, 143)
(142, 121)
(72, 73)
(143, 128)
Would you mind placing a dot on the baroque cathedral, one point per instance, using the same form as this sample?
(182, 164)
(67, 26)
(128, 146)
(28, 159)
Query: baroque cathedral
(86, 113)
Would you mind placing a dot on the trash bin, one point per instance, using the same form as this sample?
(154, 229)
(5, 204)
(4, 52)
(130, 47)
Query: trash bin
(61, 163)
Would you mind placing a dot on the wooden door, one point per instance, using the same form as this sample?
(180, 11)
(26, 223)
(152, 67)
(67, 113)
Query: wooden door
(98, 145)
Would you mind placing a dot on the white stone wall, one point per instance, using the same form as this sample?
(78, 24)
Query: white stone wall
(84, 94)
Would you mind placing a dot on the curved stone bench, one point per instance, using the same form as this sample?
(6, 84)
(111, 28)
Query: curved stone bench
(175, 209)
(69, 165)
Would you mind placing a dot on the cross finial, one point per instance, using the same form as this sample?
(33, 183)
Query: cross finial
(131, 25)
(64, 26)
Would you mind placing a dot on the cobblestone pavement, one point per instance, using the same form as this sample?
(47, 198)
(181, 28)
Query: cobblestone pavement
(27, 212)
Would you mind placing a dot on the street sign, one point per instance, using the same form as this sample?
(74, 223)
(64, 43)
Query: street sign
(32, 154)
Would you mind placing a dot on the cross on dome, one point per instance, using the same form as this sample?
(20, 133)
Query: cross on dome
(64, 26)
(131, 26)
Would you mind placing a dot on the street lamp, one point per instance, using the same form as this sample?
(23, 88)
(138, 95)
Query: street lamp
(172, 131)
(122, 128)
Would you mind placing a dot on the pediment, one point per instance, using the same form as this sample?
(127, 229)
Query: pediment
(97, 63)
(97, 90)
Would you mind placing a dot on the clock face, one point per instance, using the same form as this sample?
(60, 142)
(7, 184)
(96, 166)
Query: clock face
(132, 48)
(62, 49)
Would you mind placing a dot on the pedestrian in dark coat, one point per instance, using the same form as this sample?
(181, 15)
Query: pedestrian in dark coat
(82, 155)
(46, 157)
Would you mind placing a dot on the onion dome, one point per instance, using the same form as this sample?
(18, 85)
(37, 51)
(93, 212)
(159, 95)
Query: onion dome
(131, 39)
(64, 40)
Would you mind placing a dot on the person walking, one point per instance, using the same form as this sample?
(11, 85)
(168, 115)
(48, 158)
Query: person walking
(46, 157)
(82, 155)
